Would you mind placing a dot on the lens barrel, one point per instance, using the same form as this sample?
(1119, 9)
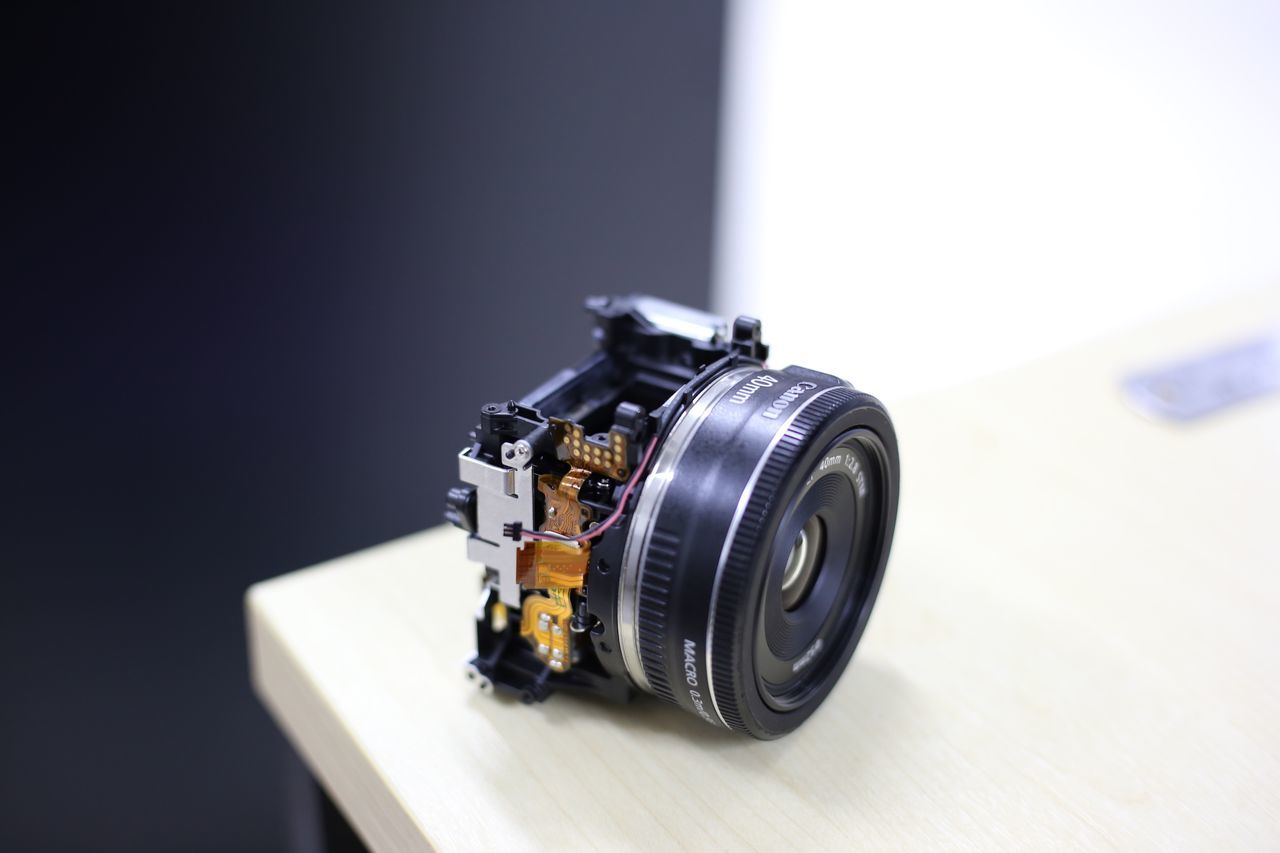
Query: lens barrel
(770, 477)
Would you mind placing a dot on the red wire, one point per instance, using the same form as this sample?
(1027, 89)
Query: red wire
(613, 516)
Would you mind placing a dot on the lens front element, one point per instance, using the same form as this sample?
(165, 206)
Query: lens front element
(802, 563)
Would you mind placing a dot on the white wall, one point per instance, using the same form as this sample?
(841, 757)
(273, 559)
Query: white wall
(915, 193)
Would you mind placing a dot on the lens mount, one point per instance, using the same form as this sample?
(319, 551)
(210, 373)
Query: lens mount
(757, 547)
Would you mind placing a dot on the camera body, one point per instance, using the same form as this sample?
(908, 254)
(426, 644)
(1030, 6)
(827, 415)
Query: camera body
(672, 516)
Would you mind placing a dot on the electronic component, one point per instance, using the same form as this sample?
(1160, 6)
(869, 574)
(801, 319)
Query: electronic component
(673, 516)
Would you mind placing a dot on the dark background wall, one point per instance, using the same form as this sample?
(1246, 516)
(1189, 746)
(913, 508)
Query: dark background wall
(262, 263)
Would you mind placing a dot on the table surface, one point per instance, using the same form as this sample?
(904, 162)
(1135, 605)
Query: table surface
(1076, 644)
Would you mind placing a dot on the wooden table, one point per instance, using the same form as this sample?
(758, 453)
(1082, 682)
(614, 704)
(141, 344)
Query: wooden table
(1077, 644)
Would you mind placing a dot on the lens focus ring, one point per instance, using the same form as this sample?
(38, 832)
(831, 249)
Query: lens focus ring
(654, 610)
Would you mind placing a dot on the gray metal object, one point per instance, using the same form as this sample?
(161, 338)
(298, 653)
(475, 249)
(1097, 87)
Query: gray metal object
(517, 454)
(680, 319)
(503, 495)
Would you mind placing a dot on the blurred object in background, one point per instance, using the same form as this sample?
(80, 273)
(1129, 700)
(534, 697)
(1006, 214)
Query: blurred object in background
(919, 193)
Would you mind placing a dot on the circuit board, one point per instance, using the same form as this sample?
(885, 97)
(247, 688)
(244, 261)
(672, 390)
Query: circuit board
(600, 454)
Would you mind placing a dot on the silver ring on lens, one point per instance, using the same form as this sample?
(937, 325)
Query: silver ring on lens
(647, 507)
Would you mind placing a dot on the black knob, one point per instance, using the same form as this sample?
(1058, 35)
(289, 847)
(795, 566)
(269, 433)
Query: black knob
(460, 508)
(746, 338)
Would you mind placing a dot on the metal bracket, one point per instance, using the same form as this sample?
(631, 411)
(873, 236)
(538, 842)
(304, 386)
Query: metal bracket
(503, 496)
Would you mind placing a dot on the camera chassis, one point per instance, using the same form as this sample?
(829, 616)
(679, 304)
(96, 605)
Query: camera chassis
(548, 485)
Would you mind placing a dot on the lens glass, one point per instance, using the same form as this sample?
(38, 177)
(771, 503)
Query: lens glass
(803, 562)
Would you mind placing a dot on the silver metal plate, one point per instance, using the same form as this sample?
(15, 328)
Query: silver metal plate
(1209, 382)
(503, 495)
(680, 319)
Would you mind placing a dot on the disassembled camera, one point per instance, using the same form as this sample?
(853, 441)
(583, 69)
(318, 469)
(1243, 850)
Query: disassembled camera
(675, 517)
